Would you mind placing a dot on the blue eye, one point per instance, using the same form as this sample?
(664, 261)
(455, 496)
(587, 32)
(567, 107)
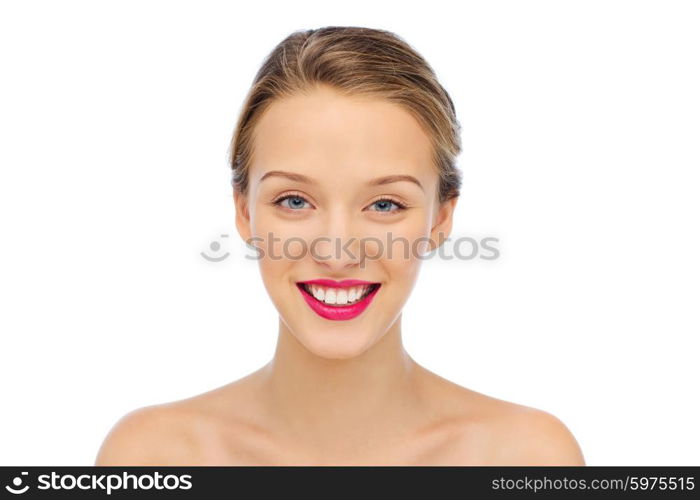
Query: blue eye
(384, 205)
(295, 202)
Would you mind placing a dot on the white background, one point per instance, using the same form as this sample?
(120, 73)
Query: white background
(581, 125)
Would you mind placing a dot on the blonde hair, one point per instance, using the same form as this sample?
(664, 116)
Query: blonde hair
(354, 61)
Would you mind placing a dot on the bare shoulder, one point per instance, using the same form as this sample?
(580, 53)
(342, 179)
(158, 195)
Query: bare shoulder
(152, 435)
(192, 431)
(485, 430)
(529, 436)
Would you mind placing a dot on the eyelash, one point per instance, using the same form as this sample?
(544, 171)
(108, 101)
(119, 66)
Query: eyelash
(400, 206)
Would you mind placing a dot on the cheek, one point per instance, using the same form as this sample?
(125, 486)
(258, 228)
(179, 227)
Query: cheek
(284, 239)
(404, 241)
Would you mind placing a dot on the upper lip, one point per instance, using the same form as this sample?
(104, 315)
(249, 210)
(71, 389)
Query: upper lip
(338, 284)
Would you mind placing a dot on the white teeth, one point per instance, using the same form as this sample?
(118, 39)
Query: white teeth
(340, 296)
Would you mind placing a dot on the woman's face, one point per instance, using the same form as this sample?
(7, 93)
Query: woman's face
(340, 188)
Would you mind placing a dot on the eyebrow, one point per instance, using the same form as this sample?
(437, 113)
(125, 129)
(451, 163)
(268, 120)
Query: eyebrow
(389, 179)
(289, 175)
(379, 181)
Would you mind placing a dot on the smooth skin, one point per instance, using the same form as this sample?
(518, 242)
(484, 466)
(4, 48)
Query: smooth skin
(340, 392)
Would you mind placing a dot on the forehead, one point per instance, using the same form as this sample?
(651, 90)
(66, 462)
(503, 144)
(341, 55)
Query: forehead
(323, 133)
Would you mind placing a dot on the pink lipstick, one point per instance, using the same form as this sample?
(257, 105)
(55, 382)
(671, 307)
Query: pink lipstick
(338, 311)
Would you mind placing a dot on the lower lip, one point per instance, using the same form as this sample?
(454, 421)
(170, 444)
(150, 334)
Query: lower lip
(337, 312)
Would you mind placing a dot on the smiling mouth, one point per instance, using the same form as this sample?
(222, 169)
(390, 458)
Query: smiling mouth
(338, 296)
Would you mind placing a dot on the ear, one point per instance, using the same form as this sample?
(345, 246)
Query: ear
(442, 223)
(240, 202)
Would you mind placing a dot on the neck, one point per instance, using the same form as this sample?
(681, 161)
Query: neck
(331, 400)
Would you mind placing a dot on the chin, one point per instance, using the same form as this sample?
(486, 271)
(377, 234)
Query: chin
(335, 343)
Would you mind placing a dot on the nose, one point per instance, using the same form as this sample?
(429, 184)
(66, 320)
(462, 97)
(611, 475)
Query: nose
(336, 248)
